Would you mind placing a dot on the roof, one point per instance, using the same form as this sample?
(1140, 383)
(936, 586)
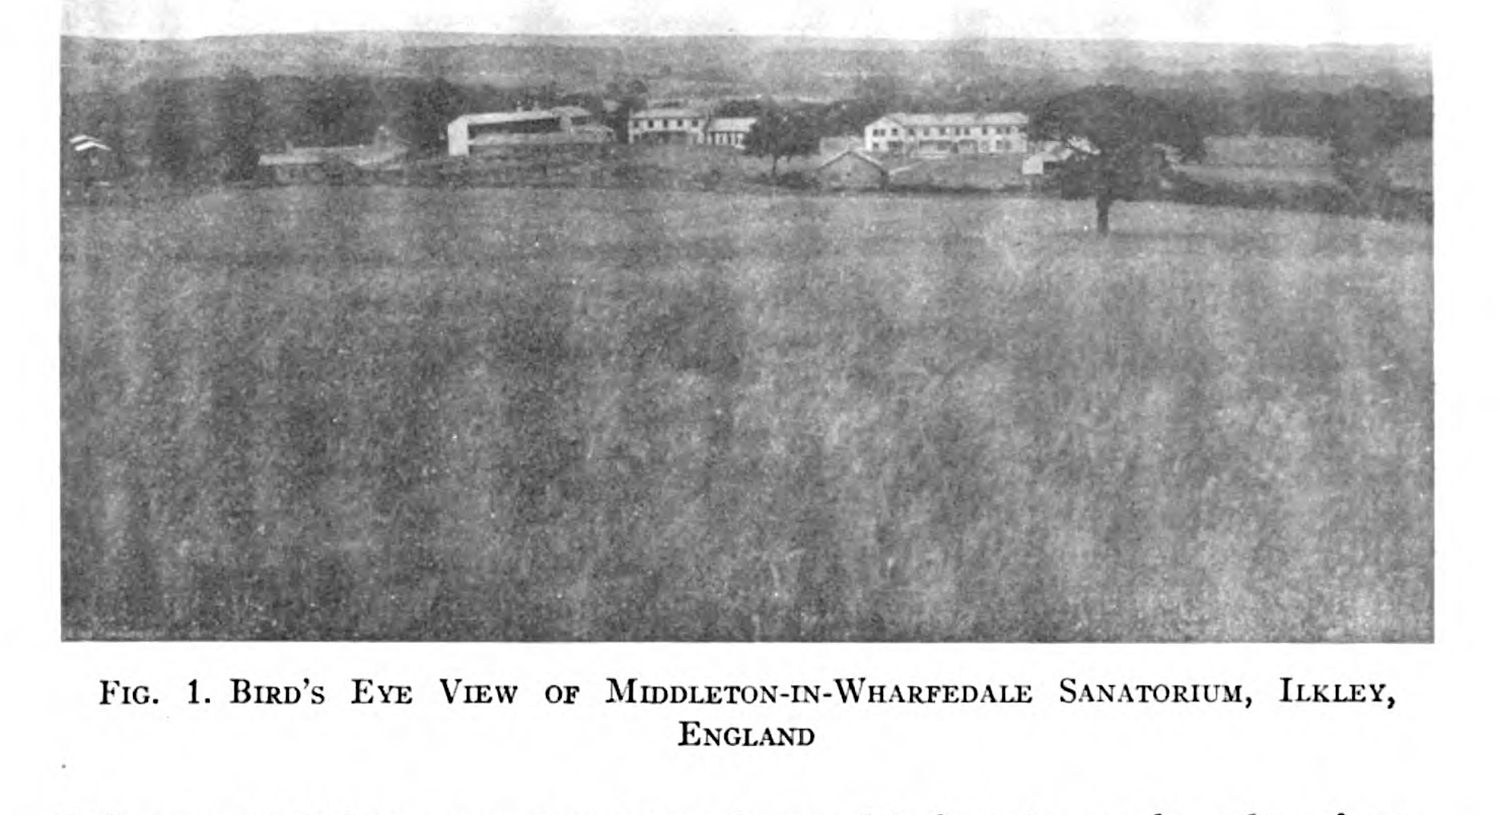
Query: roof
(572, 111)
(506, 117)
(667, 113)
(959, 119)
(297, 157)
(853, 154)
(733, 125)
(360, 155)
(993, 171)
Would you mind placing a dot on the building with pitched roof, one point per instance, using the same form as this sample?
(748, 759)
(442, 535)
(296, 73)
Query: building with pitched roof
(939, 134)
(668, 125)
(319, 163)
(491, 132)
(729, 132)
(852, 170)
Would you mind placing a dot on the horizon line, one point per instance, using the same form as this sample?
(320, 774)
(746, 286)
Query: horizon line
(1327, 44)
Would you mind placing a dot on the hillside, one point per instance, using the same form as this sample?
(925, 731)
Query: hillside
(815, 68)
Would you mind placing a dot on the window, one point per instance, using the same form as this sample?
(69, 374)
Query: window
(926, 131)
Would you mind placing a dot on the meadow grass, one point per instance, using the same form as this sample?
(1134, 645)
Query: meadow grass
(403, 413)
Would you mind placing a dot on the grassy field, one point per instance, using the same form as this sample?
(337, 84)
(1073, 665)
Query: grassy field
(1280, 161)
(404, 413)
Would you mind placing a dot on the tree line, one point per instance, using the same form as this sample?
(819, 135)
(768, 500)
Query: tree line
(216, 127)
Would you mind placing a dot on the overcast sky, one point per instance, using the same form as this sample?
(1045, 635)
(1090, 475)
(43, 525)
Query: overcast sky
(1268, 21)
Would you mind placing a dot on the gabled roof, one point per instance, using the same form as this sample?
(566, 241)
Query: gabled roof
(732, 125)
(956, 119)
(854, 154)
(298, 157)
(360, 155)
(506, 117)
(667, 113)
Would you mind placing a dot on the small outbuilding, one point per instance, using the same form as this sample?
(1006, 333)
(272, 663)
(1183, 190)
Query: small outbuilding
(90, 161)
(852, 170)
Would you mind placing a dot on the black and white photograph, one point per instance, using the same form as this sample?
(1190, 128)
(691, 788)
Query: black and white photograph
(698, 407)
(443, 324)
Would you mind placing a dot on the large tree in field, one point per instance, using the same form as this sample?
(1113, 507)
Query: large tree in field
(1117, 140)
(780, 134)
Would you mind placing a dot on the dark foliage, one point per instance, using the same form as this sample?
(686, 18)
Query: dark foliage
(240, 111)
(1362, 126)
(1387, 203)
(1118, 138)
(743, 108)
(169, 140)
(780, 134)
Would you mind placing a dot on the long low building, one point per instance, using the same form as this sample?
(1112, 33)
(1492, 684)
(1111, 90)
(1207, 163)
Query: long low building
(317, 163)
(937, 134)
(475, 133)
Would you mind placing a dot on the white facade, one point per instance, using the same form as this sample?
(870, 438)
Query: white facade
(936, 134)
(729, 132)
(522, 128)
(668, 126)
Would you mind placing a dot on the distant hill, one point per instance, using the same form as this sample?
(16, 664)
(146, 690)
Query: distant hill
(811, 68)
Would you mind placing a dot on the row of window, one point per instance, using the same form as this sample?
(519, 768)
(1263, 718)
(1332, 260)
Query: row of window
(651, 124)
(997, 146)
(985, 130)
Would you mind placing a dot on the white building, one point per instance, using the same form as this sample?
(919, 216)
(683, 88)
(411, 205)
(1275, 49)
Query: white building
(668, 126)
(729, 132)
(483, 132)
(940, 134)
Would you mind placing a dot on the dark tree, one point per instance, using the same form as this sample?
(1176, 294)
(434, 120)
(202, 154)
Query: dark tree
(780, 134)
(340, 110)
(1118, 140)
(430, 105)
(170, 140)
(239, 110)
(740, 108)
(1362, 127)
(847, 116)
